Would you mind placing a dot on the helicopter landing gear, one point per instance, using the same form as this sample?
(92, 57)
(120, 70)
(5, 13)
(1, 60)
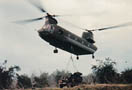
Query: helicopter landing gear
(77, 57)
(55, 51)
(93, 56)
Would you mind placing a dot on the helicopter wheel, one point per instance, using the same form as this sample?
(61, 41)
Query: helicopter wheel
(93, 56)
(55, 51)
(77, 58)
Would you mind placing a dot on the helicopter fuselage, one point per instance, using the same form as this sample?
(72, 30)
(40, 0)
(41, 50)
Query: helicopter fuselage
(65, 40)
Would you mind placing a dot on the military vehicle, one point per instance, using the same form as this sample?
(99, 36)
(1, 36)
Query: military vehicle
(74, 80)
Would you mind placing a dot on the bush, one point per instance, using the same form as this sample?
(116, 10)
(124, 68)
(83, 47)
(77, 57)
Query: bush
(7, 75)
(127, 76)
(42, 80)
(24, 81)
(105, 71)
(58, 75)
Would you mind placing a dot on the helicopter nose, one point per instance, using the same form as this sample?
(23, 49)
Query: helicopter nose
(40, 30)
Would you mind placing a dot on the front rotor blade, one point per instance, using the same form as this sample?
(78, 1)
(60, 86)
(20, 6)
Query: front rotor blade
(61, 15)
(112, 27)
(38, 6)
(30, 20)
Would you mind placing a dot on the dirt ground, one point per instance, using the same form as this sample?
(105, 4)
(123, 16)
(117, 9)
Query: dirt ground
(94, 87)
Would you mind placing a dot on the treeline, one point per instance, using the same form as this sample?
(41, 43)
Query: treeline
(7, 75)
(43, 80)
(103, 72)
(9, 78)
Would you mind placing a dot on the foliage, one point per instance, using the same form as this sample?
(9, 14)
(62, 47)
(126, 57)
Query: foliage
(7, 74)
(127, 76)
(59, 75)
(105, 71)
(24, 81)
(42, 80)
(90, 79)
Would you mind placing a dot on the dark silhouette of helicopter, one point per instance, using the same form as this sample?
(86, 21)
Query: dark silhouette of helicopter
(61, 38)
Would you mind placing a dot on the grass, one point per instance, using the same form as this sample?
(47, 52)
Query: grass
(93, 87)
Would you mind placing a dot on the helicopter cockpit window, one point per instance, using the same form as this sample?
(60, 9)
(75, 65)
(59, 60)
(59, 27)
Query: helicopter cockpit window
(52, 27)
(47, 27)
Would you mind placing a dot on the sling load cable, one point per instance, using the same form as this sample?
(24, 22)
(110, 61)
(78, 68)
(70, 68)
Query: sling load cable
(73, 64)
(67, 65)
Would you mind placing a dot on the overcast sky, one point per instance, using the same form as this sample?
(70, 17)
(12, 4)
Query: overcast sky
(21, 45)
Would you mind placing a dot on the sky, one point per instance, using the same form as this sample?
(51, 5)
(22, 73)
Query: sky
(21, 45)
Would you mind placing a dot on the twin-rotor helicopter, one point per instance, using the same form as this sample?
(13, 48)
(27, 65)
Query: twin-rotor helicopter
(61, 38)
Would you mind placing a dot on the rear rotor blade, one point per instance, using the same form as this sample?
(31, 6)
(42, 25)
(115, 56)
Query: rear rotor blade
(112, 27)
(100, 29)
(38, 6)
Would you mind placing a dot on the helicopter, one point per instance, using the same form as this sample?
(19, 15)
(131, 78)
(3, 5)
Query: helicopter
(62, 38)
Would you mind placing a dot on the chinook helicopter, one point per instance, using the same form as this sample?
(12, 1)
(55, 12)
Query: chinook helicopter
(61, 38)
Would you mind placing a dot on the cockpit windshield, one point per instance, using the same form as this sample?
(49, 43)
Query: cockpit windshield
(48, 27)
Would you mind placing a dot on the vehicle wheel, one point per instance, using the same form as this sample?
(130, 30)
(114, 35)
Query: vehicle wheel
(61, 85)
(93, 56)
(55, 51)
(77, 58)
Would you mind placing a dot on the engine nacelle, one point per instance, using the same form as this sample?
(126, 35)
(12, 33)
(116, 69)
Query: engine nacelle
(88, 36)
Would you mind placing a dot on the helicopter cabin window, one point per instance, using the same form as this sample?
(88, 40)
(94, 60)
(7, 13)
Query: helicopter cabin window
(88, 45)
(82, 42)
(76, 39)
(60, 31)
(69, 35)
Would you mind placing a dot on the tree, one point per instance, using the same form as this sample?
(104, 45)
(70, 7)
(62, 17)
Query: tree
(105, 71)
(42, 80)
(24, 81)
(7, 74)
(58, 75)
(90, 79)
(127, 76)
